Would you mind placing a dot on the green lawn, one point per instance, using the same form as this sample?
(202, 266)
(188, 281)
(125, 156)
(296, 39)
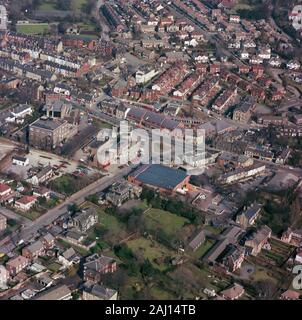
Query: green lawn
(150, 250)
(213, 230)
(68, 184)
(50, 5)
(159, 294)
(32, 215)
(142, 205)
(78, 4)
(109, 222)
(39, 28)
(164, 220)
(109, 230)
(203, 249)
(54, 267)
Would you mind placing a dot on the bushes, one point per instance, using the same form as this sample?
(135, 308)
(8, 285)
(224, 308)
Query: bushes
(123, 252)
(276, 217)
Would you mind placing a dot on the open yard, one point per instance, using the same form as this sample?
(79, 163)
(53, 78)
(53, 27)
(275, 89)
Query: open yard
(51, 5)
(169, 223)
(69, 184)
(203, 249)
(261, 273)
(109, 231)
(37, 28)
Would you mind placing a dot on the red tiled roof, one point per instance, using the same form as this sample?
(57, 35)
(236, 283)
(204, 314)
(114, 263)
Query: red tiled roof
(290, 295)
(27, 199)
(4, 187)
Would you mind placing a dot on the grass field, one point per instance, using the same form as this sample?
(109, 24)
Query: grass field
(54, 267)
(106, 221)
(203, 249)
(110, 222)
(166, 221)
(150, 250)
(159, 294)
(48, 5)
(39, 28)
(51, 5)
(213, 230)
(68, 184)
(32, 214)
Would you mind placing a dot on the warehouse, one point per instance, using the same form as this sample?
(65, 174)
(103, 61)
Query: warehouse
(160, 177)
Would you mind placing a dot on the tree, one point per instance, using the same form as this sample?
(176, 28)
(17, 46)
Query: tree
(265, 289)
(148, 195)
(73, 209)
(116, 280)
(147, 269)
(42, 201)
(136, 223)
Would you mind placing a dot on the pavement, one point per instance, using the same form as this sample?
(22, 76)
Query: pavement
(9, 214)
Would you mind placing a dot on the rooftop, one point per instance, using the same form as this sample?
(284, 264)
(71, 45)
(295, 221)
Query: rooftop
(47, 124)
(159, 176)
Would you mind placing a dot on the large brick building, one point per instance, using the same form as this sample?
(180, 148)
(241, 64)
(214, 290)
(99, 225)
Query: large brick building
(48, 134)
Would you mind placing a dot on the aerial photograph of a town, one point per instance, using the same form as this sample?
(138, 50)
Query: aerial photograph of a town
(150, 150)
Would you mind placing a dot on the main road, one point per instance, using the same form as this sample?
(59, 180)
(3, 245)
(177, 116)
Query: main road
(30, 230)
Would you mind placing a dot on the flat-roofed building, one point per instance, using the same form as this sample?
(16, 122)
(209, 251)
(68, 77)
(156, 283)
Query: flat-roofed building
(160, 177)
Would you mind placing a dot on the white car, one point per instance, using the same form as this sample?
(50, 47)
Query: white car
(28, 294)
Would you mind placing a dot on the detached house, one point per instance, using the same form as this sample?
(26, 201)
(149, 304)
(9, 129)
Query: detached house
(95, 266)
(16, 265)
(233, 293)
(25, 203)
(34, 250)
(84, 220)
(48, 241)
(6, 193)
(20, 161)
(234, 258)
(259, 239)
(248, 217)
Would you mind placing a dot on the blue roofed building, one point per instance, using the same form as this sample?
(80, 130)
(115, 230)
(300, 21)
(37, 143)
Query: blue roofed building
(160, 177)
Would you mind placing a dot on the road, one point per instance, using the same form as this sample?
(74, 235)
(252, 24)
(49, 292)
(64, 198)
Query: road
(102, 20)
(12, 215)
(29, 231)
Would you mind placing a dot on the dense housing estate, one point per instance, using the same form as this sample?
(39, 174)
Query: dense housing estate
(93, 212)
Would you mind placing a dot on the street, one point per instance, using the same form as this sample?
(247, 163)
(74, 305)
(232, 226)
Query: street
(29, 231)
